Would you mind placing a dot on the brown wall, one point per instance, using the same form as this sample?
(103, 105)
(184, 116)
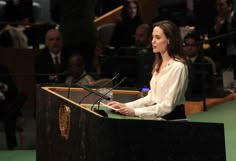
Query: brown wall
(20, 63)
(148, 9)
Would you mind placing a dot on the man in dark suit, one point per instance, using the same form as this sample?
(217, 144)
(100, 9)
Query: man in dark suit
(9, 108)
(50, 63)
(226, 25)
(202, 68)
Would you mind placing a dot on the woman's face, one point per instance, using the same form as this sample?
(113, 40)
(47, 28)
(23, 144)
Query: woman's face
(159, 41)
(132, 10)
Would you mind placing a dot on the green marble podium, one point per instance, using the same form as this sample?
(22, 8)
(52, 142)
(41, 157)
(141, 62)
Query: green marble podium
(67, 131)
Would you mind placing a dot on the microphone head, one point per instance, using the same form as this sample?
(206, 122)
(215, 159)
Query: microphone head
(116, 76)
(123, 79)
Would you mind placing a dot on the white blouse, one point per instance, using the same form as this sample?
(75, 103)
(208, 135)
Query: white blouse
(167, 91)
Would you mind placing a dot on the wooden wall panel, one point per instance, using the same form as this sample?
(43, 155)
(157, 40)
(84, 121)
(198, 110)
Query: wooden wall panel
(20, 63)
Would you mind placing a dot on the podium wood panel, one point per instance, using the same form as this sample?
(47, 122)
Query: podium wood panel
(96, 138)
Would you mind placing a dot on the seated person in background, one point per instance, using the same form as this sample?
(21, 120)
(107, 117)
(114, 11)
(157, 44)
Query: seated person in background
(19, 14)
(78, 74)
(50, 63)
(141, 42)
(123, 34)
(192, 48)
(9, 106)
(142, 36)
(202, 68)
(13, 36)
(225, 23)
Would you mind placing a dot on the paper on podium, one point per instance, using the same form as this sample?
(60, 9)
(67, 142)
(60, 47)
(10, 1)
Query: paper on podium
(105, 105)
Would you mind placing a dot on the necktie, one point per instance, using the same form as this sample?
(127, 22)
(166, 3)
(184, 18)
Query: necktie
(57, 64)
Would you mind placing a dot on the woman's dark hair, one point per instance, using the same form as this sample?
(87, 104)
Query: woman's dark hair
(175, 48)
(125, 15)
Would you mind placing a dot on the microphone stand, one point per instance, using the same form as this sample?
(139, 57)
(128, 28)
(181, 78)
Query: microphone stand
(73, 82)
(102, 112)
(115, 77)
(93, 91)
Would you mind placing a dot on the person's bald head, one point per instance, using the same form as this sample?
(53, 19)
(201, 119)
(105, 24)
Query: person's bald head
(142, 35)
(53, 40)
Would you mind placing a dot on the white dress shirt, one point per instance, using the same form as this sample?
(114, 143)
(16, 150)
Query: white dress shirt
(54, 56)
(167, 91)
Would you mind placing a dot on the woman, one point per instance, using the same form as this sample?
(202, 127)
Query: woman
(123, 34)
(169, 80)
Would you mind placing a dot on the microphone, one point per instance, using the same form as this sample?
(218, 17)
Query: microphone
(102, 112)
(115, 77)
(93, 91)
(74, 82)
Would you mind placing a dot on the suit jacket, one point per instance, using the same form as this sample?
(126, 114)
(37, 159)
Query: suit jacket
(200, 64)
(200, 72)
(44, 67)
(225, 40)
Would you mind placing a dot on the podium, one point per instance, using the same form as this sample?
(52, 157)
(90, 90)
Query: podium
(67, 131)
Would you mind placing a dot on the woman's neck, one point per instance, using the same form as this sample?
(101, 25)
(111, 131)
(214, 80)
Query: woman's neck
(165, 57)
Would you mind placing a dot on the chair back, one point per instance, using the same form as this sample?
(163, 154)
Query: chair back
(105, 33)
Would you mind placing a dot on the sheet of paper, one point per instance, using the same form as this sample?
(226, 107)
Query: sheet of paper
(105, 105)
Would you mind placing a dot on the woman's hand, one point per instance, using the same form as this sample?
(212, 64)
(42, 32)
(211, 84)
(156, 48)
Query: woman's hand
(122, 108)
(116, 105)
